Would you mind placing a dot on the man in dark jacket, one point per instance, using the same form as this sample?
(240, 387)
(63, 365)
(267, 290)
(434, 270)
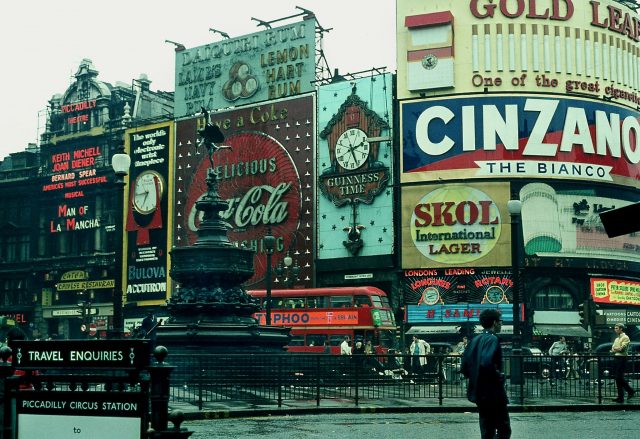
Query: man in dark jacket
(482, 364)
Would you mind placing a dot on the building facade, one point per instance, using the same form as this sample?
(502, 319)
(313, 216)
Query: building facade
(58, 275)
(528, 101)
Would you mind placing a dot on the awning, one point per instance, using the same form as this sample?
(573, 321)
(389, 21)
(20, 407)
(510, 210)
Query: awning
(416, 330)
(443, 329)
(566, 330)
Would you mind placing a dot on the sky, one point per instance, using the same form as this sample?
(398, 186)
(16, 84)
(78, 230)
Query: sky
(44, 42)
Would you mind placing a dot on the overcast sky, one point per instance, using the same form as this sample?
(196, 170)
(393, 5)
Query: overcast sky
(44, 42)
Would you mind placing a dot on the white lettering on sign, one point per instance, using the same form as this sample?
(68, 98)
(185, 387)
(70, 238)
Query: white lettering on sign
(37, 404)
(96, 356)
(45, 356)
(249, 210)
(543, 169)
(612, 137)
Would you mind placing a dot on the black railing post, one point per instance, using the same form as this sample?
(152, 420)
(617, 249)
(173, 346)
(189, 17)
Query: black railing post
(318, 380)
(440, 378)
(522, 383)
(599, 380)
(279, 381)
(159, 373)
(357, 376)
(201, 378)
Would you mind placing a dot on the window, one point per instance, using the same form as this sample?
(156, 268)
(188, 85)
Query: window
(297, 340)
(294, 302)
(337, 339)
(317, 302)
(362, 300)
(341, 301)
(553, 297)
(316, 339)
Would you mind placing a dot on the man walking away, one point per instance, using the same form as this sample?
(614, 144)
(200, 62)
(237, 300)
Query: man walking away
(482, 364)
(620, 350)
(556, 351)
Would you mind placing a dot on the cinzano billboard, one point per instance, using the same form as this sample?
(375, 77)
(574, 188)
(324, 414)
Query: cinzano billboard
(521, 136)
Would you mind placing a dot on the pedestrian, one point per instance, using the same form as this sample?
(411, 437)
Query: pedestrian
(345, 349)
(620, 350)
(148, 331)
(461, 346)
(358, 353)
(482, 365)
(419, 350)
(327, 347)
(557, 349)
(368, 348)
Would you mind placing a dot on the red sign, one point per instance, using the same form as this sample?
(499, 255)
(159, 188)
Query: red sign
(265, 173)
(92, 329)
(616, 291)
(310, 318)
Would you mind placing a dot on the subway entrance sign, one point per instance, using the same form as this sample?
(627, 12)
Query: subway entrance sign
(621, 221)
(100, 354)
(90, 415)
(82, 389)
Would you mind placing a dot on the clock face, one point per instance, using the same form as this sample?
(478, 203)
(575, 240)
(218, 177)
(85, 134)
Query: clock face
(352, 149)
(431, 296)
(429, 61)
(495, 294)
(148, 189)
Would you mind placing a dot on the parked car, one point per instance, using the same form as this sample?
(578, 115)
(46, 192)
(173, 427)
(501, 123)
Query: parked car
(605, 361)
(534, 362)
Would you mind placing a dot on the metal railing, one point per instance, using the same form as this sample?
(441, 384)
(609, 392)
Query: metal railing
(271, 379)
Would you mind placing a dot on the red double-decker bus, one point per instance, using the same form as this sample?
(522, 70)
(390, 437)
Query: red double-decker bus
(332, 313)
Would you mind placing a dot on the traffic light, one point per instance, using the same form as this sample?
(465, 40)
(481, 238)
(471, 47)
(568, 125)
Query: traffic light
(597, 317)
(583, 312)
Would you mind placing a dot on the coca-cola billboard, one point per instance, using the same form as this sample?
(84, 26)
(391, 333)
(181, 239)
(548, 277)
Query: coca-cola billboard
(266, 176)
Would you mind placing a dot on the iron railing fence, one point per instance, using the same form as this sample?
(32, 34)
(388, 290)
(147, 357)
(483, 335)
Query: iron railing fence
(269, 379)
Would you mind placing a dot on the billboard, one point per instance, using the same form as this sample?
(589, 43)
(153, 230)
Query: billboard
(615, 291)
(563, 221)
(76, 171)
(520, 136)
(544, 46)
(452, 314)
(354, 171)
(445, 286)
(267, 176)
(147, 213)
(455, 225)
(266, 65)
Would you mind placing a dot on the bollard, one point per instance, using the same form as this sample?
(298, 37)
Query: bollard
(159, 374)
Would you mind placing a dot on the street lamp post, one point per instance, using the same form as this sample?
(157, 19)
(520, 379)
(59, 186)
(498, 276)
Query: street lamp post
(120, 163)
(287, 270)
(269, 246)
(515, 208)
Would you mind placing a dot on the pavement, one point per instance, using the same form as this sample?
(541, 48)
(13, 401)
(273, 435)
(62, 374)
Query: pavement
(243, 409)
